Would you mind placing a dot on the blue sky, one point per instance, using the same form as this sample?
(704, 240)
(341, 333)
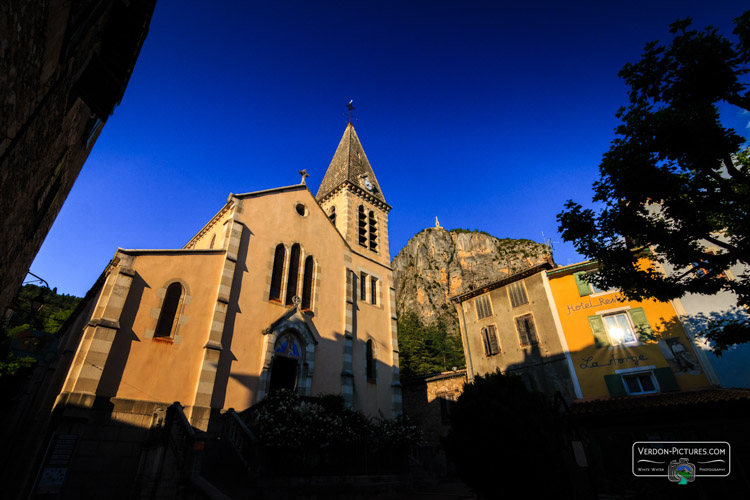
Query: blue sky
(488, 115)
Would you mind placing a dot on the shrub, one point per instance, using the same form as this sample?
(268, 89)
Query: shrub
(502, 435)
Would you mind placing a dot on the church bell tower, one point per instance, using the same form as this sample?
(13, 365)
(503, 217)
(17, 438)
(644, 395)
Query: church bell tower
(351, 196)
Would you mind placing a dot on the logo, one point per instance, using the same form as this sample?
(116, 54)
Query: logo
(681, 461)
(681, 471)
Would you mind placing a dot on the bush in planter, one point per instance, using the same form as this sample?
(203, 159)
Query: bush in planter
(323, 435)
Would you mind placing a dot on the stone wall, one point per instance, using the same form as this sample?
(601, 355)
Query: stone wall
(63, 68)
(104, 440)
(428, 400)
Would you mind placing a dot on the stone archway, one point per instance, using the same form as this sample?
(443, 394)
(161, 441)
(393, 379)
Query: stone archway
(288, 355)
(285, 365)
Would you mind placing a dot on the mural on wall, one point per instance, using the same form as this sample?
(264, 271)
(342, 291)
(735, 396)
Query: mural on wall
(680, 359)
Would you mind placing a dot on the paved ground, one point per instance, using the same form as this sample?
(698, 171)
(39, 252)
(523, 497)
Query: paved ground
(442, 491)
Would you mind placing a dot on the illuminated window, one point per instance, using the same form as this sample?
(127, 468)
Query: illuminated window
(619, 329)
(624, 327)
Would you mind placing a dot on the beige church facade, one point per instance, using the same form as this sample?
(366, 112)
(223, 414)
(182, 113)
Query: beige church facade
(280, 289)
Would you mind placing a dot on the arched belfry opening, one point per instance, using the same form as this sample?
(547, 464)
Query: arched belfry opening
(289, 354)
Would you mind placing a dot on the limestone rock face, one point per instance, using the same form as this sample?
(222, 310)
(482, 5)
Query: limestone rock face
(437, 264)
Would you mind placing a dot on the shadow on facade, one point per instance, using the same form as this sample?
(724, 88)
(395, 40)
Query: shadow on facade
(226, 358)
(597, 435)
(115, 366)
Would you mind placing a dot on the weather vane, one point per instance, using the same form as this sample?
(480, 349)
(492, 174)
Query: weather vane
(350, 108)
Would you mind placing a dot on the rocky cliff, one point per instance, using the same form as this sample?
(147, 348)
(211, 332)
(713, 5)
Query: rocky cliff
(437, 264)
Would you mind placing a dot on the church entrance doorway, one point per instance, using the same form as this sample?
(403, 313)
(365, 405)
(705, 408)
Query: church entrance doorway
(285, 367)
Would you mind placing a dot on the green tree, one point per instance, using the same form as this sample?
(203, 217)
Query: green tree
(674, 181)
(425, 349)
(55, 311)
(501, 434)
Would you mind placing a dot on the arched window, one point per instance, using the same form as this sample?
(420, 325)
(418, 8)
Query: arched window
(288, 346)
(278, 269)
(291, 284)
(332, 215)
(362, 226)
(307, 283)
(373, 223)
(170, 310)
(370, 356)
(213, 239)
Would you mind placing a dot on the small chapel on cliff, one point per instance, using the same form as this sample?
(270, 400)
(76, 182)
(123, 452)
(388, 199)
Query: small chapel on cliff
(280, 289)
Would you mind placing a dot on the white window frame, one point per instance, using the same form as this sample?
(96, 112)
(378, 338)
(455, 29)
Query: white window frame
(641, 370)
(615, 312)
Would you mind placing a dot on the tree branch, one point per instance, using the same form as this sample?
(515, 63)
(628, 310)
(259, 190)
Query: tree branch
(721, 244)
(733, 171)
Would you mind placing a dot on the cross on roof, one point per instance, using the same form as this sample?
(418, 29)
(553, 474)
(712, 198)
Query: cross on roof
(304, 175)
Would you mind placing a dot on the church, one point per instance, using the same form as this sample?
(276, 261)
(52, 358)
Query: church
(280, 289)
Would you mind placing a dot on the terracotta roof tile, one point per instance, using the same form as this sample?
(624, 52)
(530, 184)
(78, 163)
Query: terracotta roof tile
(661, 400)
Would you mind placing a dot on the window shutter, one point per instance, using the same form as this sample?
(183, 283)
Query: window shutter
(641, 323)
(522, 335)
(517, 294)
(597, 328)
(362, 226)
(531, 330)
(483, 306)
(583, 287)
(615, 385)
(665, 377)
(494, 348)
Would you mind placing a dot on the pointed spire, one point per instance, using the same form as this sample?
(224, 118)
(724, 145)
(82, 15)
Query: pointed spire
(350, 163)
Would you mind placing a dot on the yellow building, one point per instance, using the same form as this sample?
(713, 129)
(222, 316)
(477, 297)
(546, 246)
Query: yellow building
(280, 289)
(621, 347)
